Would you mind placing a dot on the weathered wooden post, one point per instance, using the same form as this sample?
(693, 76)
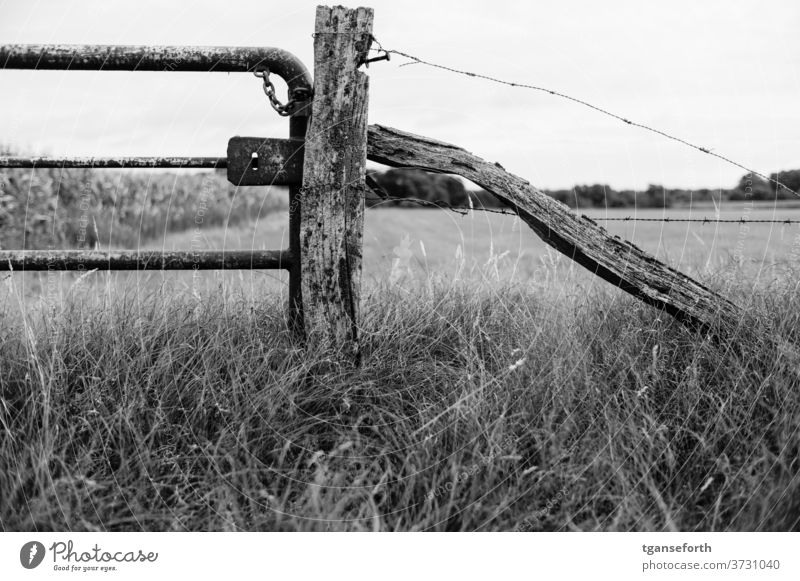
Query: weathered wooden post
(611, 258)
(332, 200)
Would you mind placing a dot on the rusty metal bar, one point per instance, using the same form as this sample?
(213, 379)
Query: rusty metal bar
(38, 260)
(221, 59)
(177, 59)
(115, 162)
(298, 126)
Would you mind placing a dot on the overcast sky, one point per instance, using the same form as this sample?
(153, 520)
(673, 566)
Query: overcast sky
(724, 74)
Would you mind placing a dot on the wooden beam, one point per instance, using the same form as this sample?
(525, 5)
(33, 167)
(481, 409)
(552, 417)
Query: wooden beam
(332, 202)
(610, 257)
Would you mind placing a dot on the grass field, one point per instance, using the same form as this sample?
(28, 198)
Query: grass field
(495, 247)
(499, 390)
(480, 246)
(484, 239)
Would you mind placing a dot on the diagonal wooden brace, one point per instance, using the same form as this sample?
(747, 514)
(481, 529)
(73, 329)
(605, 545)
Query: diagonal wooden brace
(611, 258)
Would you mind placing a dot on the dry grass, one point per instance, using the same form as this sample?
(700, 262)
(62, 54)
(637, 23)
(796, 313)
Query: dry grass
(477, 407)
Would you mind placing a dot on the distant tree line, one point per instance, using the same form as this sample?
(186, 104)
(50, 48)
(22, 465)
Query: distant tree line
(444, 189)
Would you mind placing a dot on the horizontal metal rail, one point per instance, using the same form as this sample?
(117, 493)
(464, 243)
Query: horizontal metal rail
(115, 162)
(39, 260)
(221, 59)
(275, 161)
(251, 161)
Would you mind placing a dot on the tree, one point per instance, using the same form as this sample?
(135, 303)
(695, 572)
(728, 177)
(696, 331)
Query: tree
(752, 187)
(789, 178)
(422, 185)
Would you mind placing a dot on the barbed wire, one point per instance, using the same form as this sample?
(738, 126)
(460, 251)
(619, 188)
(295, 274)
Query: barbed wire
(706, 150)
(701, 220)
(465, 210)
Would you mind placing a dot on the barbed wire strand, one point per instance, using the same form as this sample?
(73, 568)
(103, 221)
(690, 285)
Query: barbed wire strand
(465, 210)
(706, 150)
(701, 220)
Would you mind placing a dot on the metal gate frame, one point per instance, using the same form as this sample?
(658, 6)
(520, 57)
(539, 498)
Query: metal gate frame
(285, 165)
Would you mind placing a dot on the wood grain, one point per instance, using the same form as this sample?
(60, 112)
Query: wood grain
(332, 201)
(612, 258)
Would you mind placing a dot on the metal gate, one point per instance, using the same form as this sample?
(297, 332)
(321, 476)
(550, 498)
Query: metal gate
(249, 161)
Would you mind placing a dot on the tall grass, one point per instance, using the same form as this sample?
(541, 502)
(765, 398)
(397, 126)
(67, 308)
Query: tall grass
(475, 408)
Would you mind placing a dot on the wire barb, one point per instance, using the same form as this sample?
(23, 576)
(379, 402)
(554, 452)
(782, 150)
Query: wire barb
(465, 210)
(417, 60)
(703, 220)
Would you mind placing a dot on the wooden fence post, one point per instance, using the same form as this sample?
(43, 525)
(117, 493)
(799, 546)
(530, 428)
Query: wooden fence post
(332, 200)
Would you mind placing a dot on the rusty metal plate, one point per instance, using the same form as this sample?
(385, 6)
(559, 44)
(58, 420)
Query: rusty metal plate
(262, 161)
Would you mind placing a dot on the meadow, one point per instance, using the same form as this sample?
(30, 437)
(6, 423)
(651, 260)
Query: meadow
(500, 389)
(423, 244)
(481, 244)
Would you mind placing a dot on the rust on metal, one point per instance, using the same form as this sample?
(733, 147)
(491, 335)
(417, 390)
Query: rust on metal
(221, 59)
(261, 161)
(298, 126)
(279, 161)
(115, 162)
(81, 260)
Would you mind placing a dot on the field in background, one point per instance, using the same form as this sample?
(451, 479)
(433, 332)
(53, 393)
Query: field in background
(417, 245)
(442, 242)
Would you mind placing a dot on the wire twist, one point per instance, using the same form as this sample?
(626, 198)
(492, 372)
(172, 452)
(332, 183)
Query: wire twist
(706, 150)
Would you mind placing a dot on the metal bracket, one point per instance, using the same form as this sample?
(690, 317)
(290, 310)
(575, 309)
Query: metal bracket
(262, 161)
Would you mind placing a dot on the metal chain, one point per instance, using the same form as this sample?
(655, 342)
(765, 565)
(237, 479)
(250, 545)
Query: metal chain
(269, 91)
